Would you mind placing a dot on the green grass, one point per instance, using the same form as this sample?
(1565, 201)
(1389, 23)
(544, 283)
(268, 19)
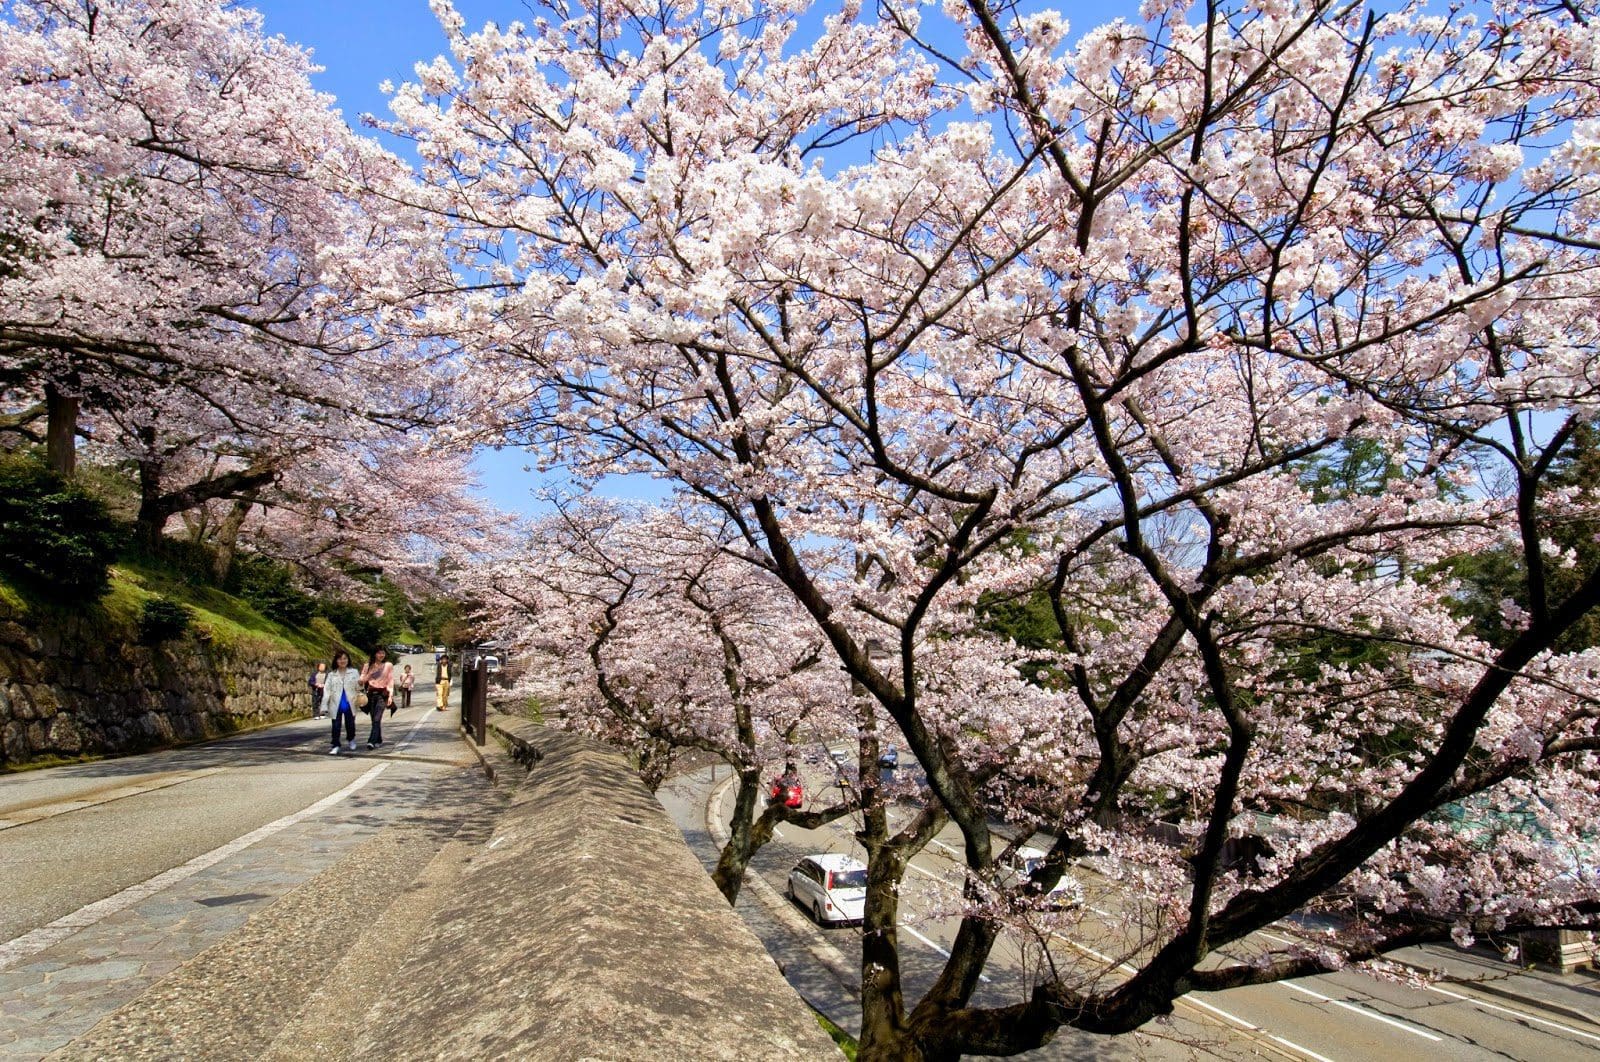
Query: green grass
(230, 620)
(218, 617)
(846, 1042)
(10, 599)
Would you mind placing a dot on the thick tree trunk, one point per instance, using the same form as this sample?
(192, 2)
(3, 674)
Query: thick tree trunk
(152, 519)
(157, 508)
(885, 1030)
(61, 431)
(885, 1026)
(227, 540)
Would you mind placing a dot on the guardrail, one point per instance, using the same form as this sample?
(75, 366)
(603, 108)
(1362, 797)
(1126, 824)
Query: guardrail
(475, 700)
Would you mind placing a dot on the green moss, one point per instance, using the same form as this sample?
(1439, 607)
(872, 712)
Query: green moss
(221, 618)
(10, 600)
(39, 763)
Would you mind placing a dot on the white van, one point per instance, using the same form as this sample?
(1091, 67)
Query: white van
(832, 887)
(1017, 872)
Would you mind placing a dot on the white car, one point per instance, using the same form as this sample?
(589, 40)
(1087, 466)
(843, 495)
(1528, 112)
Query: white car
(1019, 867)
(832, 887)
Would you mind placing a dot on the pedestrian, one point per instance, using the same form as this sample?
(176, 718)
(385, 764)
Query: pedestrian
(377, 678)
(340, 692)
(404, 684)
(318, 680)
(441, 682)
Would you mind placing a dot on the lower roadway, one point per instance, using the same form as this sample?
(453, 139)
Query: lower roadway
(1482, 1011)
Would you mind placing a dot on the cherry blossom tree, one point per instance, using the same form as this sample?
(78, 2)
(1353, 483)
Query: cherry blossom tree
(1106, 347)
(188, 229)
(646, 633)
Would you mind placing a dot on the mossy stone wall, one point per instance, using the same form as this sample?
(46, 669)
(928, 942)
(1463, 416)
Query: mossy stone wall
(71, 686)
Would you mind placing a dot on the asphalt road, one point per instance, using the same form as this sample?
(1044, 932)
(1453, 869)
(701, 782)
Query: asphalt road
(72, 836)
(1486, 1010)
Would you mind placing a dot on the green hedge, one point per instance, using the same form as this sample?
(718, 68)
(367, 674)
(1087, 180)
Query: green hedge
(55, 536)
(161, 620)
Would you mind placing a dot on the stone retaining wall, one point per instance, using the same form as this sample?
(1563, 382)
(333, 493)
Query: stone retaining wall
(68, 688)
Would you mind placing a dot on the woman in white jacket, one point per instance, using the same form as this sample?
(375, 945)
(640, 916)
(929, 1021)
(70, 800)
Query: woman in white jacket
(340, 696)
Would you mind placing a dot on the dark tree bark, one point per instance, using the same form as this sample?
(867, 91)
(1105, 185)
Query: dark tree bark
(61, 431)
(157, 507)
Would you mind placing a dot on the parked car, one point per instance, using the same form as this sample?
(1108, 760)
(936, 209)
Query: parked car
(399, 649)
(491, 664)
(832, 887)
(1018, 868)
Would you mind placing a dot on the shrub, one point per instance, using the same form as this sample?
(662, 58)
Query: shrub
(272, 589)
(360, 624)
(54, 535)
(161, 620)
(193, 561)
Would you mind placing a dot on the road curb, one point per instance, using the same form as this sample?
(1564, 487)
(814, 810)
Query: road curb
(780, 908)
(1491, 986)
(483, 761)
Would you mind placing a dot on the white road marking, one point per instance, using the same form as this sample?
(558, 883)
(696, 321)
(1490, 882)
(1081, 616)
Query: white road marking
(1235, 1019)
(1201, 1004)
(934, 946)
(1274, 936)
(1365, 1012)
(1522, 1015)
(405, 742)
(19, 948)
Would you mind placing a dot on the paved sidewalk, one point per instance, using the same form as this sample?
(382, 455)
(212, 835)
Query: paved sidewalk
(218, 962)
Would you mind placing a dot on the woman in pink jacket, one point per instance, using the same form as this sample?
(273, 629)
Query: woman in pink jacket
(377, 678)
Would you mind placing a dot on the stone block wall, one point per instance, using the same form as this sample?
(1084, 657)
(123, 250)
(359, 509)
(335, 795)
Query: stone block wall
(69, 688)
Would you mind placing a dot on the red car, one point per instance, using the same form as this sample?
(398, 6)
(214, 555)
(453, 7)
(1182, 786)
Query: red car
(787, 791)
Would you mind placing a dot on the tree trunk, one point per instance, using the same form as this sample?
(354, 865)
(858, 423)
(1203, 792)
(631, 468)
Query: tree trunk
(885, 1027)
(735, 855)
(152, 519)
(885, 1031)
(227, 541)
(61, 431)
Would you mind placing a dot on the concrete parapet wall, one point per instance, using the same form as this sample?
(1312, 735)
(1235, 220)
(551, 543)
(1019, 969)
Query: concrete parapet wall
(586, 929)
